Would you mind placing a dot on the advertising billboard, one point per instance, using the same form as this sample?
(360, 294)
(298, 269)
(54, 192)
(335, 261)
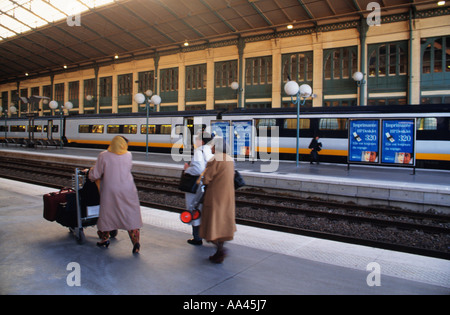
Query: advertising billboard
(242, 135)
(364, 141)
(398, 137)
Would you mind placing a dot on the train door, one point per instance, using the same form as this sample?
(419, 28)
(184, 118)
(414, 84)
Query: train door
(50, 130)
(188, 135)
(181, 136)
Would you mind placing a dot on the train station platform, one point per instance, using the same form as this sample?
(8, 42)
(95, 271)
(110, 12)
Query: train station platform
(39, 257)
(361, 184)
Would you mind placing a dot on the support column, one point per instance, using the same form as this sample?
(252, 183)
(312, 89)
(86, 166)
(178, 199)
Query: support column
(210, 82)
(318, 69)
(364, 28)
(276, 74)
(241, 47)
(181, 82)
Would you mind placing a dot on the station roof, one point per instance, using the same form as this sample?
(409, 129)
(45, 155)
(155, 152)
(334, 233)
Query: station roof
(41, 37)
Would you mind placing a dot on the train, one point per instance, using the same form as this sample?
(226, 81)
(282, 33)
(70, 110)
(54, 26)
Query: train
(250, 133)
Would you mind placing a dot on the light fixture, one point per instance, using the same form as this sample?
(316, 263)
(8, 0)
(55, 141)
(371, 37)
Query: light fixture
(139, 98)
(65, 66)
(116, 56)
(441, 3)
(359, 78)
(291, 88)
(26, 74)
(156, 99)
(53, 104)
(305, 90)
(290, 26)
(301, 92)
(12, 108)
(235, 86)
(68, 105)
(186, 43)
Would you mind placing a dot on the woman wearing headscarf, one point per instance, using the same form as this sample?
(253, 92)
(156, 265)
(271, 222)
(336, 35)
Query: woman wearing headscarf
(119, 200)
(218, 213)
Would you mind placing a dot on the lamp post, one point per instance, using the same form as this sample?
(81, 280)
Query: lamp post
(304, 91)
(360, 81)
(147, 99)
(54, 105)
(6, 118)
(235, 86)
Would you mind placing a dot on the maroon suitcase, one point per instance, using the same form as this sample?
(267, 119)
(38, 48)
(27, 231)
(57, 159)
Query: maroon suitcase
(52, 200)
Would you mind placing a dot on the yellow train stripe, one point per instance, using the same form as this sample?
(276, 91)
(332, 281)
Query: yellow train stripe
(433, 156)
(419, 156)
(135, 144)
(302, 151)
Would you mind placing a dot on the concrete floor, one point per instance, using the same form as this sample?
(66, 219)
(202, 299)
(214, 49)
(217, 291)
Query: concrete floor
(35, 253)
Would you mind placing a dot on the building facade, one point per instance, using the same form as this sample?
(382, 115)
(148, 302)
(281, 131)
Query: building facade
(405, 59)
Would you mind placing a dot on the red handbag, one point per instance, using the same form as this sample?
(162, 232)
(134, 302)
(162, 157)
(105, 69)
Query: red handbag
(52, 201)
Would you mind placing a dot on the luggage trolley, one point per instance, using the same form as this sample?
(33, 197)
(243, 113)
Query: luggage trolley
(86, 214)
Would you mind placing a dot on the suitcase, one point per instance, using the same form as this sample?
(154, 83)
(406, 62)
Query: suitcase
(67, 213)
(52, 201)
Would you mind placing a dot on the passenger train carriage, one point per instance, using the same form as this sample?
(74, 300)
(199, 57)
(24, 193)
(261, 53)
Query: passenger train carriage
(250, 133)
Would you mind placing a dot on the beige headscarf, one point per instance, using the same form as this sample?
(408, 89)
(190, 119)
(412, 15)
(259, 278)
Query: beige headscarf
(118, 145)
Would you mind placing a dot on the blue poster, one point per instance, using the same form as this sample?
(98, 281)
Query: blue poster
(363, 141)
(398, 139)
(221, 128)
(242, 135)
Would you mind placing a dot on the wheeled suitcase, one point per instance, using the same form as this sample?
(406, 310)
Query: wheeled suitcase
(52, 201)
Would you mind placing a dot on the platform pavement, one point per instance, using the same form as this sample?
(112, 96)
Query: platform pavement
(35, 253)
(365, 185)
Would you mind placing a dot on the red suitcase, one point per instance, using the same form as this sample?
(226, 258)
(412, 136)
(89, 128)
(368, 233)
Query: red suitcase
(52, 200)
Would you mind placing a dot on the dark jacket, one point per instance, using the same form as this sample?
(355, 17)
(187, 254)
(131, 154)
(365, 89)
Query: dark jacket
(315, 145)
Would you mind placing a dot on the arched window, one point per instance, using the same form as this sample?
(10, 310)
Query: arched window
(298, 67)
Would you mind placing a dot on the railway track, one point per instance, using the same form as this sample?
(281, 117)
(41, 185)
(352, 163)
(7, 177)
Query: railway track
(261, 209)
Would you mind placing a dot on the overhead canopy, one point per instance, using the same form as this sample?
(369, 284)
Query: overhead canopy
(39, 37)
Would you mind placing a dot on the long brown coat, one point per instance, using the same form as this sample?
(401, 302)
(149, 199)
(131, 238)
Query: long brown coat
(218, 214)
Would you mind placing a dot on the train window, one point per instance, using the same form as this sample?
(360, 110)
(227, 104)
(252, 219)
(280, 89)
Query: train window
(333, 124)
(427, 123)
(125, 129)
(54, 128)
(17, 128)
(151, 129)
(3, 128)
(292, 124)
(157, 129)
(264, 123)
(91, 128)
(166, 129)
(37, 128)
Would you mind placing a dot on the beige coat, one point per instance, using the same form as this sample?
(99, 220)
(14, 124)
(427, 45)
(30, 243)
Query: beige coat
(218, 214)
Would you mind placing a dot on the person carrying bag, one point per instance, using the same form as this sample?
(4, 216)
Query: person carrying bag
(190, 181)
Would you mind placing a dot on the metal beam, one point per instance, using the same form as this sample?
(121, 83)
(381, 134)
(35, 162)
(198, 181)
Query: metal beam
(146, 23)
(220, 17)
(181, 19)
(311, 16)
(255, 7)
(69, 33)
